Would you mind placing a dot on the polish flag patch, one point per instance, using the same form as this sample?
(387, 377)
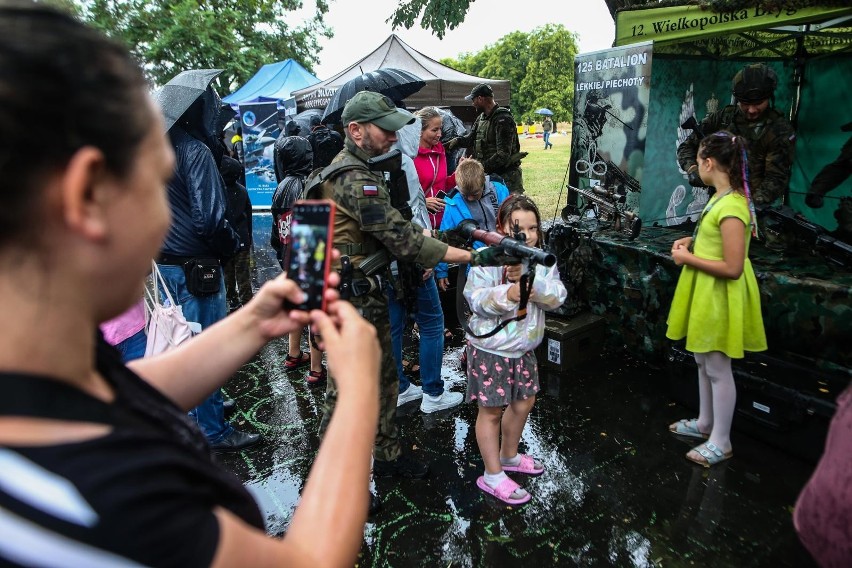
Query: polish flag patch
(371, 190)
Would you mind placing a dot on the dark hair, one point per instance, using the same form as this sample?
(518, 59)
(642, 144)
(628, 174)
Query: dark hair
(514, 203)
(63, 86)
(730, 151)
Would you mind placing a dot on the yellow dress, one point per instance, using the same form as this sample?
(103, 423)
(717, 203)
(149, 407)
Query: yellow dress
(718, 314)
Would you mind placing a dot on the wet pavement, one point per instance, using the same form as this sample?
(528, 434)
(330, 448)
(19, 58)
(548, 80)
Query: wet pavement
(617, 490)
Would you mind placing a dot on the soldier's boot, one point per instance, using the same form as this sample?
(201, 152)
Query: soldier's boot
(403, 466)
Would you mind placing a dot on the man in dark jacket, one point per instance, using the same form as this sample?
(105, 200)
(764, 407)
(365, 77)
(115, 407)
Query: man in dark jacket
(200, 236)
(237, 268)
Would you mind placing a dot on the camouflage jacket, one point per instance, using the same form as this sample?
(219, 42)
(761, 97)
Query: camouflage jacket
(494, 139)
(834, 173)
(771, 142)
(365, 221)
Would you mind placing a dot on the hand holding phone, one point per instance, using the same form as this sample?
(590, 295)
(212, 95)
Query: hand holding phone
(441, 194)
(309, 254)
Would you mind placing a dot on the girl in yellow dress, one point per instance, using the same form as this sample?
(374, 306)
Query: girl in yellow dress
(716, 305)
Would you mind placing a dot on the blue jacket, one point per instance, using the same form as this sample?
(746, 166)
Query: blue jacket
(196, 191)
(456, 210)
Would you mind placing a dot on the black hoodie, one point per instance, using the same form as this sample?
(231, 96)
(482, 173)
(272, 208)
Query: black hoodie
(297, 158)
(239, 205)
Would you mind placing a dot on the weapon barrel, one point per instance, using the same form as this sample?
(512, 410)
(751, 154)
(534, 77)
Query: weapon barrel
(513, 247)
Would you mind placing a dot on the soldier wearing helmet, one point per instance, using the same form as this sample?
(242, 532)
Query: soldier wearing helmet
(770, 136)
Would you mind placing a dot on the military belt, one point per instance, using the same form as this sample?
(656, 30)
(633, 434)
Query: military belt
(356, 249)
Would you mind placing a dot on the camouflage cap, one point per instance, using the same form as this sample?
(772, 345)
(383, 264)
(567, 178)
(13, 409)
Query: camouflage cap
(368, 106)
(754, 83)
(481, 90)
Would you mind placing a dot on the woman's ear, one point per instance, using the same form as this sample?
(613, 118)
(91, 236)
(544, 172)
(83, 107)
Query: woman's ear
(83, 193)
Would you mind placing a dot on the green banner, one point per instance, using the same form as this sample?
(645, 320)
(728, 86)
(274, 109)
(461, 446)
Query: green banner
(690, 23)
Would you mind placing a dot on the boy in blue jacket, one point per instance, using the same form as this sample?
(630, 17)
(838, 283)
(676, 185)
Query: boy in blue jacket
(475, 197)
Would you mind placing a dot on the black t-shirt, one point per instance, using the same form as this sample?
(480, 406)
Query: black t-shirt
(143, 494)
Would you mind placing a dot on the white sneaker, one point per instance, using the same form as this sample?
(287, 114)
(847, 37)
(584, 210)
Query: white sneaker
(446, 400)
(413, 392)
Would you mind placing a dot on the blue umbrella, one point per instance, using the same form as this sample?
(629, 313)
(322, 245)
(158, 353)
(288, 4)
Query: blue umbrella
(545, 111)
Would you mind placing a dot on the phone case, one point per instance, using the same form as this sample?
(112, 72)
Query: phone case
(309, 254)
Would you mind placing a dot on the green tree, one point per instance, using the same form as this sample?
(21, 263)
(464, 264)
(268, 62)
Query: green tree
(169, 36)
(539, 64)
(437, 15)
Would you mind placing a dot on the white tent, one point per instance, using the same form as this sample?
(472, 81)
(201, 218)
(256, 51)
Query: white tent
(445, 86)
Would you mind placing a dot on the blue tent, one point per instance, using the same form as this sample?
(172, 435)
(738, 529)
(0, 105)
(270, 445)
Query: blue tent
(273, 82)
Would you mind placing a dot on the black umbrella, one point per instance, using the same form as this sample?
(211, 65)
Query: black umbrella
(307, 119)
(176, 96)
(395, 83)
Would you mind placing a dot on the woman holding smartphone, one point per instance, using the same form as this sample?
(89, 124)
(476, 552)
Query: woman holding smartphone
(431, 164)
(100, 466)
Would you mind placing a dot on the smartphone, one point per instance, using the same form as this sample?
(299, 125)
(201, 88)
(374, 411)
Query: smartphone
(441, 194)
(309, 254)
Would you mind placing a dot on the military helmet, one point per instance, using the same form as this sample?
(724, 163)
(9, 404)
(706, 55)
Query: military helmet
(754, 83)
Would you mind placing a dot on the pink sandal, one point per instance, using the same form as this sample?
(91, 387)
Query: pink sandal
(504, 491)
(527, 466)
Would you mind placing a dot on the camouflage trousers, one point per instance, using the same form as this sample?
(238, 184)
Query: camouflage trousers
(237, 275)
(374, 308)
(514, 180)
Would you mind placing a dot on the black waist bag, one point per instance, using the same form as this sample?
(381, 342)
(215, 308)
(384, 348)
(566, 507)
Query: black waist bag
(203, 276)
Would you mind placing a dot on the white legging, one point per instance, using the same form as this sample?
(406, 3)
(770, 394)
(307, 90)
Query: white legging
(717, 396)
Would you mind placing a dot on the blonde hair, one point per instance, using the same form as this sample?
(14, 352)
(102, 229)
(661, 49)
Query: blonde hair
(426, 114)
(470, 176)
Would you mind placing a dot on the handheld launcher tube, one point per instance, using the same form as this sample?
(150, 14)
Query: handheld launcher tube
(470, 229)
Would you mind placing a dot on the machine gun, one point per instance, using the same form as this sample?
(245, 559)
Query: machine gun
(609, 206)
(784, 220)
(409, 274)
(692, 124)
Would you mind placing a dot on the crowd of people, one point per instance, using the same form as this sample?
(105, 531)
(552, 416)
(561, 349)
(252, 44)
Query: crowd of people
(107, 454)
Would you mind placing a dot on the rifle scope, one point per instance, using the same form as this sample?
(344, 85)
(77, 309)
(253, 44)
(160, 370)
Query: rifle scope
(472, 232)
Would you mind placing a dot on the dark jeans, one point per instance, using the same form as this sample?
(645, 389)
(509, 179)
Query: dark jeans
(430, 321)
(206, 310)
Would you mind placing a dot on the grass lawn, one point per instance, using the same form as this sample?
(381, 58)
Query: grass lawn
(545, 170)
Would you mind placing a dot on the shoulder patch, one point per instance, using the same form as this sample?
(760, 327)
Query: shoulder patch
(370, 190)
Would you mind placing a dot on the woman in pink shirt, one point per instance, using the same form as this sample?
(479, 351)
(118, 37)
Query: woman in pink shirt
(431, 164)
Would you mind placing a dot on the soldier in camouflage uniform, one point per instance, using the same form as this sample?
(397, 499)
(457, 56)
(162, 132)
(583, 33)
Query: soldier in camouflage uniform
(494, 139)
(770, 136)
(365, 226)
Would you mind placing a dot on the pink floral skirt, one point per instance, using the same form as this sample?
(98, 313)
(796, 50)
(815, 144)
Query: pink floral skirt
(493, 380)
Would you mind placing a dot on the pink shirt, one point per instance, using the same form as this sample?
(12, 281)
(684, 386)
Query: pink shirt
(431, 165)
(126, 325)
